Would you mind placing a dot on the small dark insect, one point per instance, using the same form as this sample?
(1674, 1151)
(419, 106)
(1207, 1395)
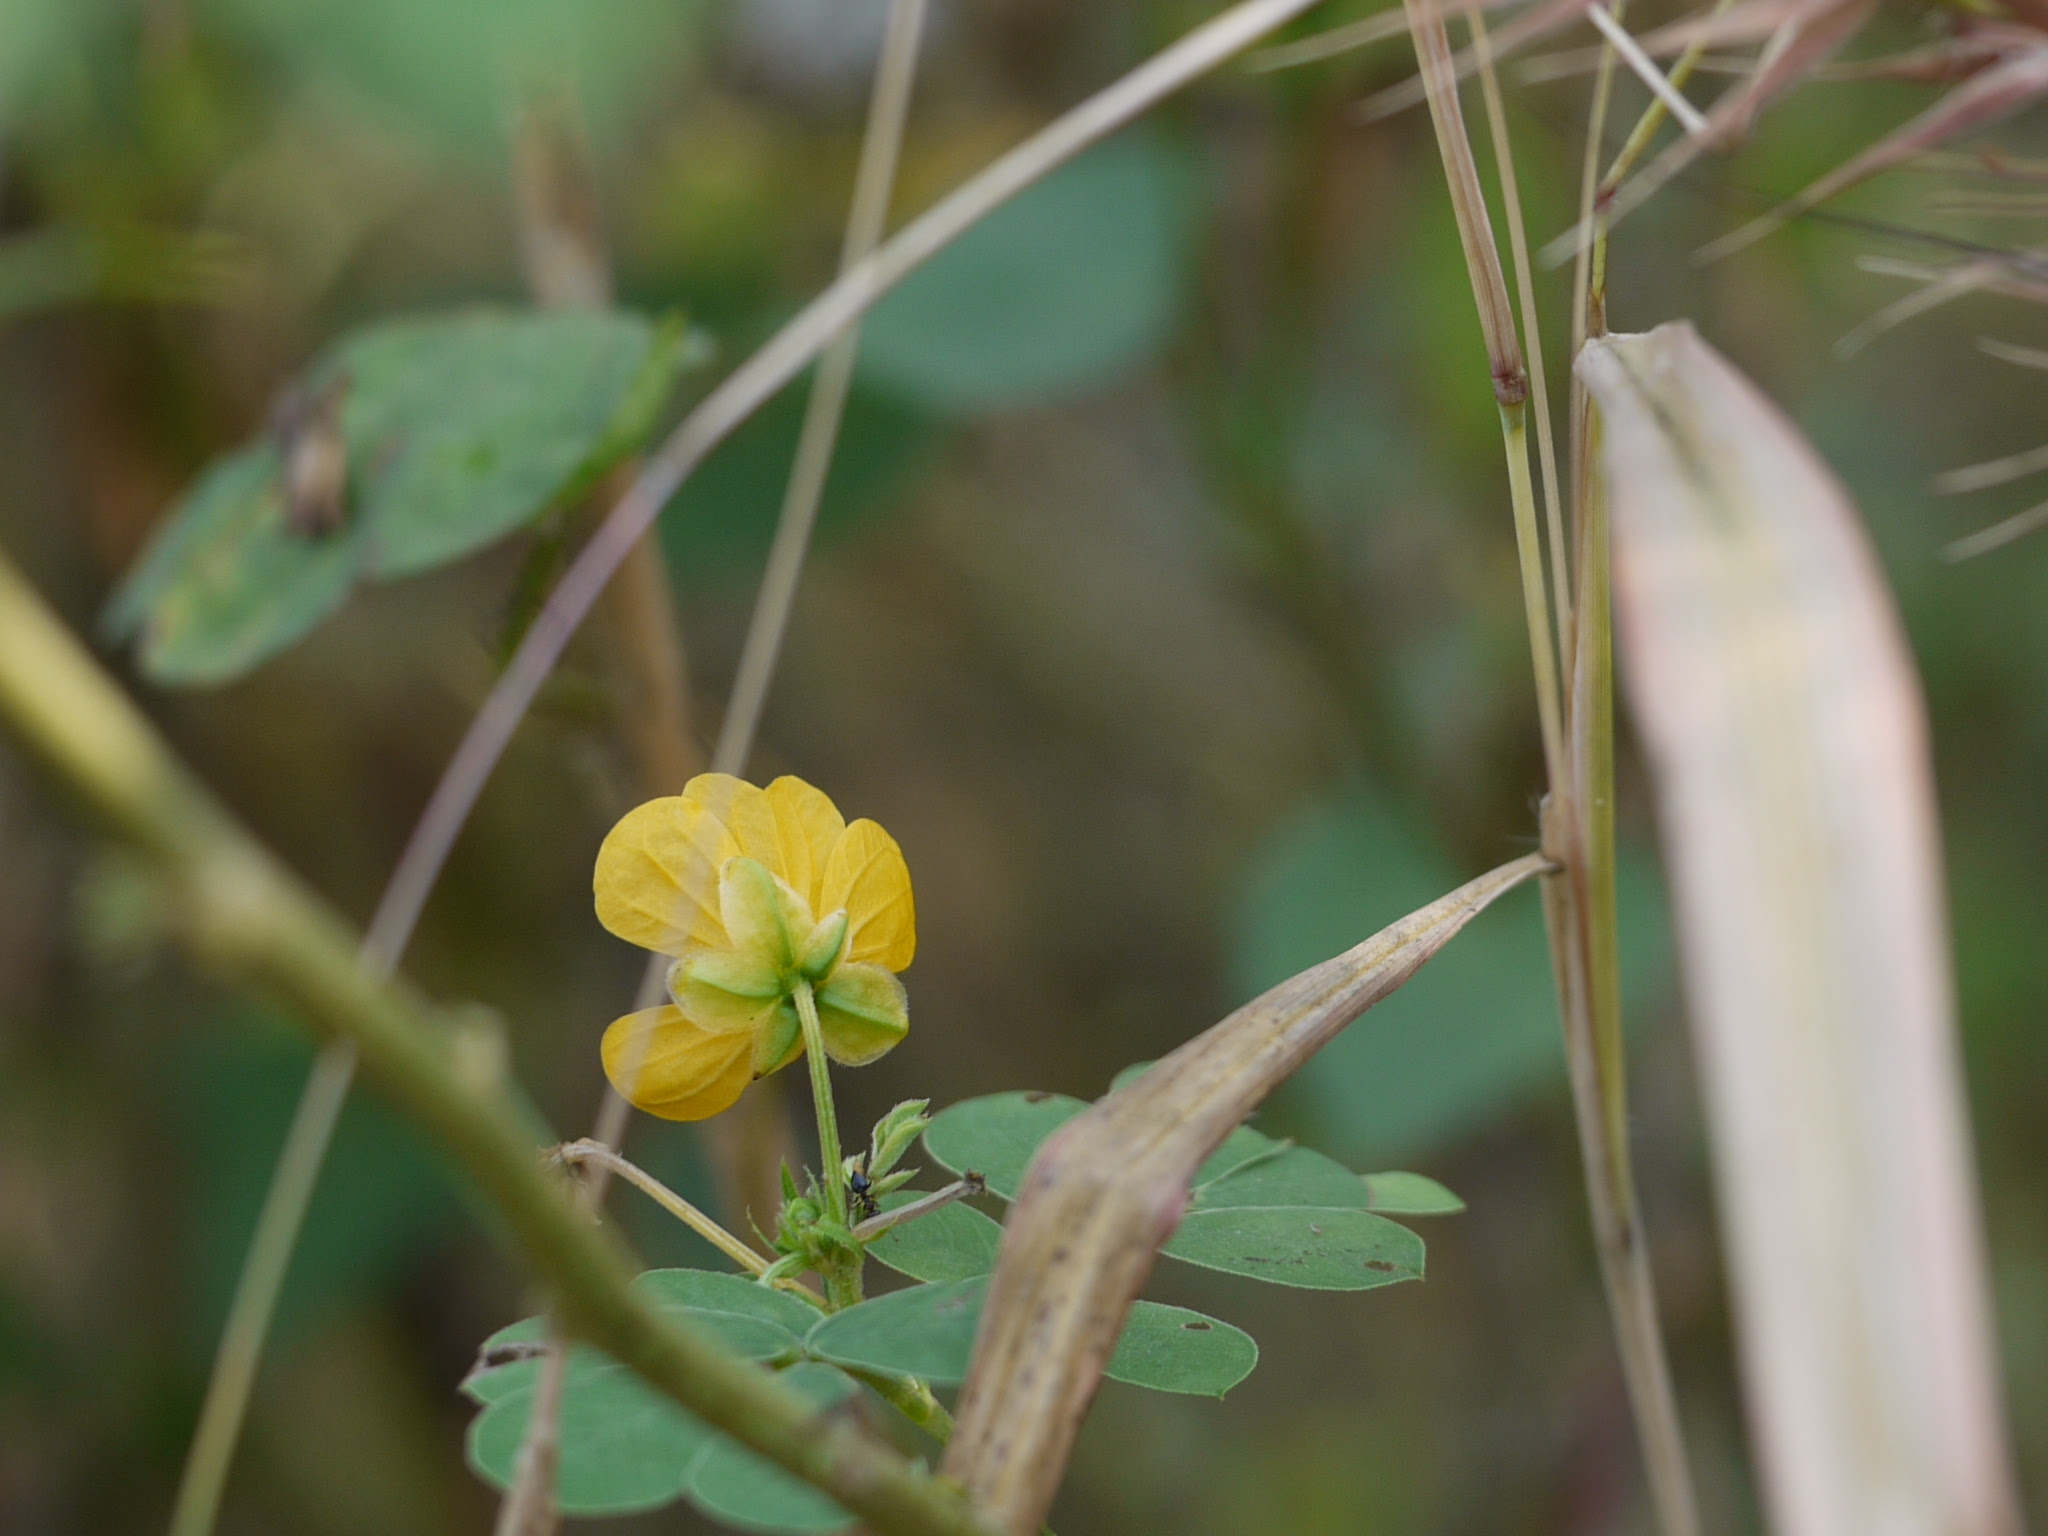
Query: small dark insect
(862, 1188)
(306, 423)
(507, 1354)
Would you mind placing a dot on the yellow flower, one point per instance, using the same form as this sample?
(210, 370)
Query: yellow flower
(756, 892)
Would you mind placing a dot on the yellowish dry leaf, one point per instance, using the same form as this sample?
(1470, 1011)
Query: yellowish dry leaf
(1787, 741)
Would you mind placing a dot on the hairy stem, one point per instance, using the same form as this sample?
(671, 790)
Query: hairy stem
(245, 914)
(842, 1275)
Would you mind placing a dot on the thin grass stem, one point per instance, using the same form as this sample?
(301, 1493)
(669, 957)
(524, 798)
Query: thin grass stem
(257, 1288)
(1594, 1041)
(1645, 68)
(1638, 140)
(1525, 297)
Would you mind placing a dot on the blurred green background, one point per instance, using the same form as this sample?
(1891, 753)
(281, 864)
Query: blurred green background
(1164, 607)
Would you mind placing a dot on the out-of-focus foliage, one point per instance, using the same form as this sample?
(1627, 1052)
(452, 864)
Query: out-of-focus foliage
(1473, 1033)
(1076, 281)
(445, 435)
(1229, 611)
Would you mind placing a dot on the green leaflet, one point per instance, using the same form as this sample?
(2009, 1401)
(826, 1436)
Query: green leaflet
(626, 1448)
(1336, 1249)
(457, 429)
(623, 1446)
(1262, 1208)
(1075, 281)
(733, 1485)
(928, 1331)
(997, 1135)
(955, 1242)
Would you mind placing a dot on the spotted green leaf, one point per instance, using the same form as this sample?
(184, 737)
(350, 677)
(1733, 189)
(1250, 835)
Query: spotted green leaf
(1334, 1249)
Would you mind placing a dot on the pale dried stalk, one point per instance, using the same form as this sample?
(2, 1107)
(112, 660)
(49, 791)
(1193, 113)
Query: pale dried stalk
(1107, 1189)
(1787, 740)
(1503, 354)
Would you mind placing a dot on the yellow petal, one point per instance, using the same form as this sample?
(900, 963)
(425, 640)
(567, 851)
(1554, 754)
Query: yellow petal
(657, 875)
(808, 825)
(745, 811)
(668, 1066)
(862, 1014)
(867, 878)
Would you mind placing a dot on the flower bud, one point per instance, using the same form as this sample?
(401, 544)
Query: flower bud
(894, 1134)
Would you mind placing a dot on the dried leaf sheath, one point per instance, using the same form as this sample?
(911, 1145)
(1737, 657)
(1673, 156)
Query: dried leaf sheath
(1787, 739)
(1109, 1188)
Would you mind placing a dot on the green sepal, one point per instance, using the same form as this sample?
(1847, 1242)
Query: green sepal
(862, 1012)
(780, 1040)
(751, 904)
(824, 949)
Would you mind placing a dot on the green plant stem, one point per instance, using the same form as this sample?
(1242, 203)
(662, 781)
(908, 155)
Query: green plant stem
(242, 912)
(1514, 431)
(1654, 114)
(911, 1398)
(1525, 301)
(842, 1274)
(1581, 908)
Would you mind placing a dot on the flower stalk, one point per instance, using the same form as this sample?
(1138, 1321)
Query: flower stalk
(842, 1272)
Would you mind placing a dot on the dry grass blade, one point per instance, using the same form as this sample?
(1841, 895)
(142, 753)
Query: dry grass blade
(2005, 351)
(1983, 99)
(1539, 20)
(1992, 472)
(1376, 28)
(1109, 1188)
(1804, 42)
(1788, 745)
(1939, 286)
(1998, 535)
